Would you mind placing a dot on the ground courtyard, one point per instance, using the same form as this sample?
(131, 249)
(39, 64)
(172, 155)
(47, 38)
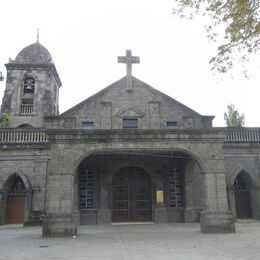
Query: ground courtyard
(125, 242)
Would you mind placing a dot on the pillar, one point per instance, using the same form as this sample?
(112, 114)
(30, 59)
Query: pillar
(216, 218)
(160, 212)
(61, 218)
(104, 211)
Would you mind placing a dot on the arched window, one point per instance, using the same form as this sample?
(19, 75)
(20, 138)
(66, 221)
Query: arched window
(27, 96)
(17, 186)
(25, 126)
(240, 184)
(28, 86)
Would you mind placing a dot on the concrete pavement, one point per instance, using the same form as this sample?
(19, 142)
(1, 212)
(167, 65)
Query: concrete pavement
(132, 242)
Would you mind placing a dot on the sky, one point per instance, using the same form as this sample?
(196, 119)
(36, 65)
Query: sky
(85, 37)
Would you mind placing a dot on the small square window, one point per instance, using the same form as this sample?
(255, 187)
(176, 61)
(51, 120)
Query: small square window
(130, 123)
(27, 101)
(171, 124)
(88, 125)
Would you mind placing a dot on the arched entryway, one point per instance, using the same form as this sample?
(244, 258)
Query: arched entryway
(131, 195)
(15, 204)
(123, 186)
(242, 186)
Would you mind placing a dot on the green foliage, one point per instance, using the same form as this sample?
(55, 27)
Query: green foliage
(1, 76)
(241, 21)
(233, 118)
(4, 118)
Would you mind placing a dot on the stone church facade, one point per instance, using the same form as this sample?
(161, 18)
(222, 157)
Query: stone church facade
(128, 153)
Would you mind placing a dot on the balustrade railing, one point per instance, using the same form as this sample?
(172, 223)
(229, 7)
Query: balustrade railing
(22, 136)
(243, 136)
(39, 136)
(26, 109)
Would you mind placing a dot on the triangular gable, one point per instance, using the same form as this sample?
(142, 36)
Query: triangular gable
(130, 110)
(119, 83)
(165, 97)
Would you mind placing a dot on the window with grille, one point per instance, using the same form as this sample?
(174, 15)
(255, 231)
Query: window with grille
(130, 123)
(175, 189)
(88, 125)
(87, 190)
(17, 187)
(171, 124)
(240, 184)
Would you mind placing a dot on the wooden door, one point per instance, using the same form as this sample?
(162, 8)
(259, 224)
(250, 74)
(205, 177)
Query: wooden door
(243, 205)
(14, 209)
(131, 196)
(242, 197)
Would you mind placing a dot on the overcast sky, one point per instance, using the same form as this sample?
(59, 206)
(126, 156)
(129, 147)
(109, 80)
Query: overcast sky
(85, 37)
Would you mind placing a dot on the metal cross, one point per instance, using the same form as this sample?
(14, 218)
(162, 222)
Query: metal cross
(128, 59)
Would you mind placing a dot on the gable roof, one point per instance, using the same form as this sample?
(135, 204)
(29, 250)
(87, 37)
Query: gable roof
(121, 83)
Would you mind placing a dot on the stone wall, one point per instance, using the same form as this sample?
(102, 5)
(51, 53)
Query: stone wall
(71, 148)
(107, 109)
(31, 165)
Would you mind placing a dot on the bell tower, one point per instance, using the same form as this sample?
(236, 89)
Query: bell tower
(32, 87)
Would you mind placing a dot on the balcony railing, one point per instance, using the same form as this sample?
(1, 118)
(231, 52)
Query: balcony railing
(22, 136)
(243, 136)
(26, 109)
(39, 136)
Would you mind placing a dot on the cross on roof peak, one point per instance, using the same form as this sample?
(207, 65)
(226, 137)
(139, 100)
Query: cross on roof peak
(128, 59)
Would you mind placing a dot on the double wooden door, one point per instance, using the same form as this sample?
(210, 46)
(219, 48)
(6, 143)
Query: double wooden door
(15, 209)
(131, 196)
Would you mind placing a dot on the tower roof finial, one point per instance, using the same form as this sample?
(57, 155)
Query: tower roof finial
(38, 32)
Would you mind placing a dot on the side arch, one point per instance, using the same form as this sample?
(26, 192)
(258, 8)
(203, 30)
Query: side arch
(16, 204)
(24, 177)
(241, 193)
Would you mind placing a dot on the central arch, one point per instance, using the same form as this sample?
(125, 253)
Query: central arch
(131, 195)
(174, 180)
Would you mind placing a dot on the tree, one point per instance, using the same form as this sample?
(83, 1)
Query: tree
(1, 76)
(241, 22)
(233, 118)
(4, 118)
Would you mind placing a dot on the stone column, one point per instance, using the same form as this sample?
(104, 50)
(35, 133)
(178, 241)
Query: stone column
(104, 212)
(154, 114)
(2, 207)
(160, 212)
(60, 219)
(189, 205)
(216, 218)
(194, 192)
(231, 200)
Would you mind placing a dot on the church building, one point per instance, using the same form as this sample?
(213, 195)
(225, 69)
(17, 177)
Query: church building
(129, 153)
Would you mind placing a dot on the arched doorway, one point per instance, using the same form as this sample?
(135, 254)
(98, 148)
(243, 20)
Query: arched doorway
(242, 197)
(14, 213)
(131, 195)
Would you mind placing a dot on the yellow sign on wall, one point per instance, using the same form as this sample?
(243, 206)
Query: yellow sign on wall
(159, 196)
